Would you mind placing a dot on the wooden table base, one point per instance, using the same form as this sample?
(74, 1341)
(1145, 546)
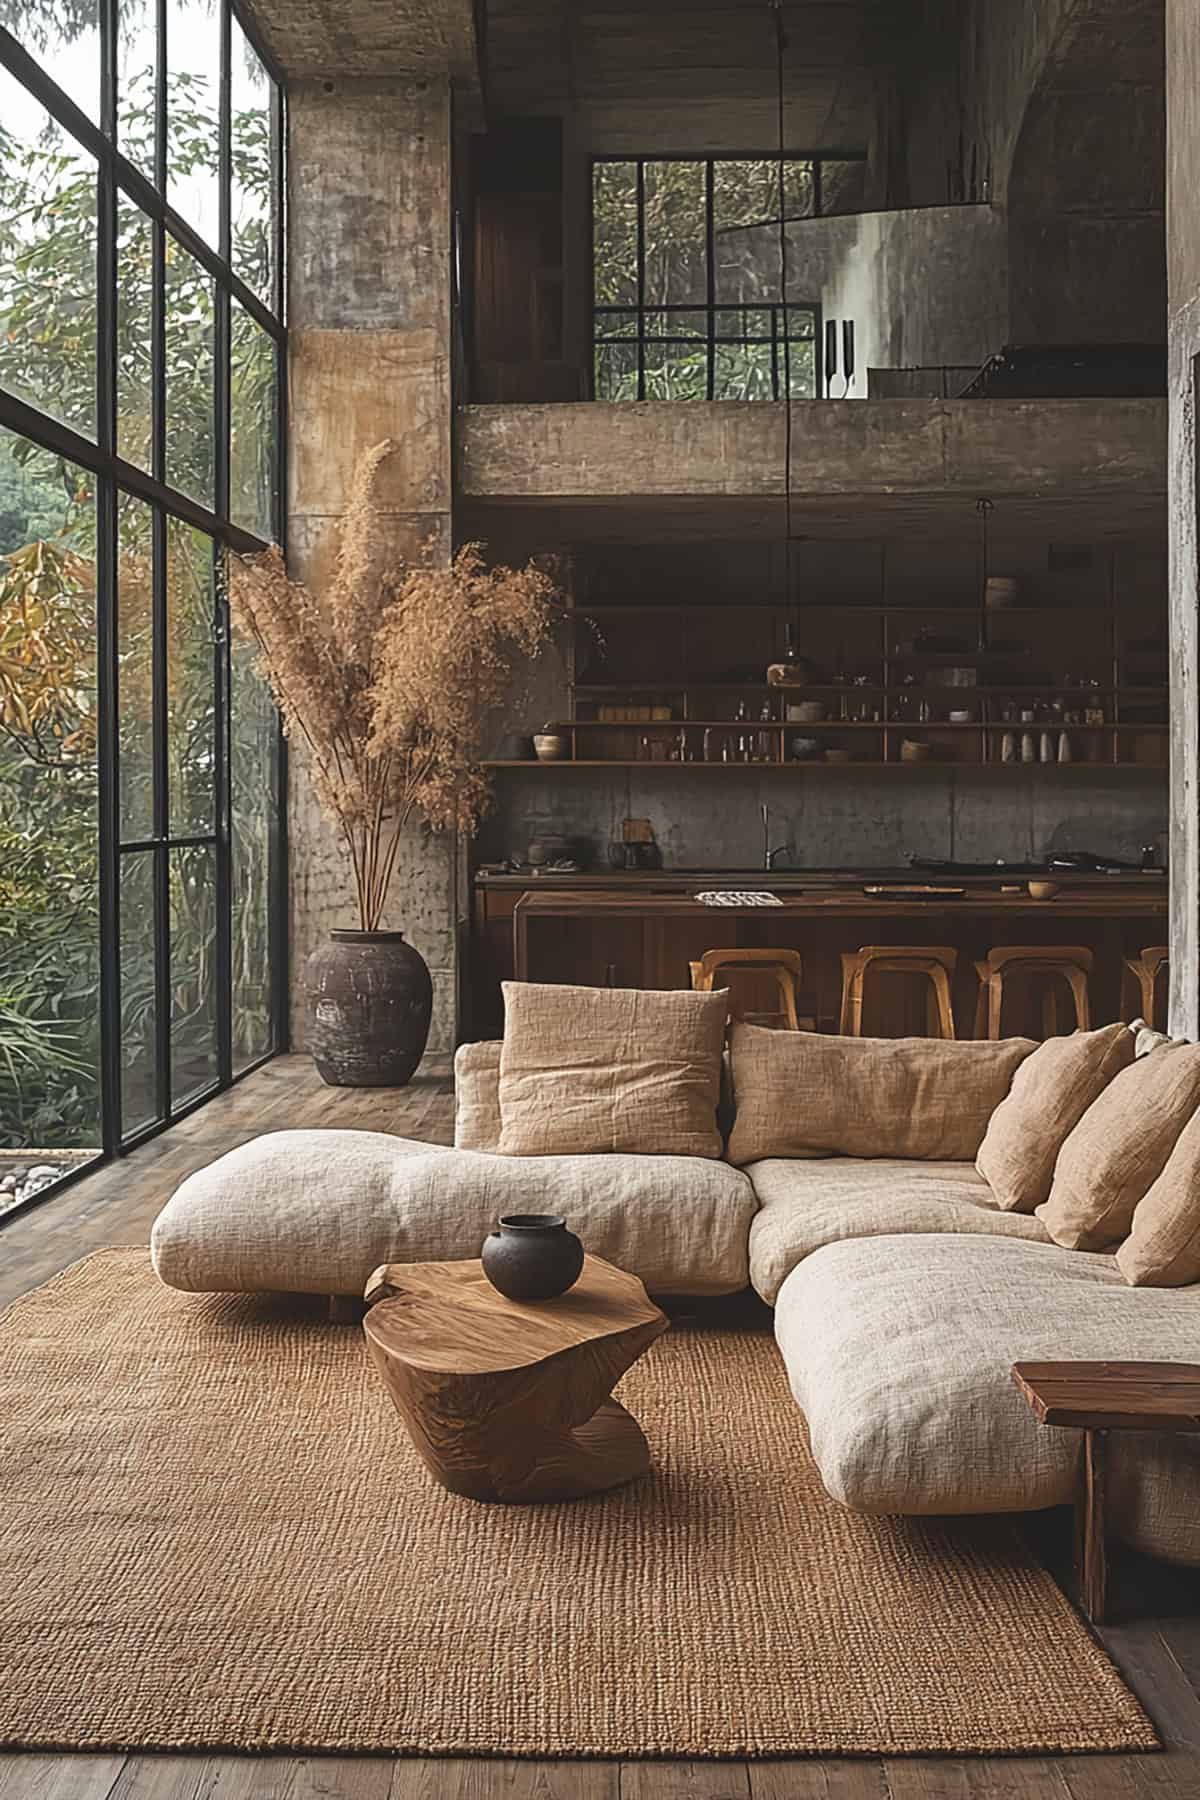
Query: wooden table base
(507, 1400)
(1091, 1554)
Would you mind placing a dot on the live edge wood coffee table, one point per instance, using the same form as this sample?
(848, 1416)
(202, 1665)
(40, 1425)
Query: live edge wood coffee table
(507, 1399)
(1096, 1398)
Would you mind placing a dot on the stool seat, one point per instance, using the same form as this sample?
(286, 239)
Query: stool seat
(936, 963)
(1140, 976)
(1069, 963)
(784, 965)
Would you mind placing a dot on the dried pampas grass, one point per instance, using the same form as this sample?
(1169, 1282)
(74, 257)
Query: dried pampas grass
(390, 676)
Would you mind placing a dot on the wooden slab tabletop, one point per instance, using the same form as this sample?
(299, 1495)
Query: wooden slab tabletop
(1104, 1396)
(449, 1319)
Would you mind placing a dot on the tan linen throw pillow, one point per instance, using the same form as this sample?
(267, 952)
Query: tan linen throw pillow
(799, 1093)
(593, 1069)
(1163, 1247)
(1120, 1147)
(1050, 1093)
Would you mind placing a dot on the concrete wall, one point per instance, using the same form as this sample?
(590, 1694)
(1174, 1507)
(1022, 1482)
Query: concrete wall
(1183, 237)
(369, 203)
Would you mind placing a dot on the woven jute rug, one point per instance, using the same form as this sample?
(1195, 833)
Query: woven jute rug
(214, 1534)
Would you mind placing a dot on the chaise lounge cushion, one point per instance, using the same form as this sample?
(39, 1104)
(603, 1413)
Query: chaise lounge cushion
(315, 1211)
(805, 1205)
(899, 1350)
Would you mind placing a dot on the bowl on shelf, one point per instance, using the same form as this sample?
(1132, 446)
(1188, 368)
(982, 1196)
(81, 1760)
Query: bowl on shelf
(551, 746)
(1043, 890)
(962, 715)
(804, 749)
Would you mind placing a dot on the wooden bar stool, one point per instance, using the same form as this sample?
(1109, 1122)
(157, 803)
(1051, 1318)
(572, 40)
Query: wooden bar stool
(783, 964)
(1070, 963)
(934, 962)
(1139, 982)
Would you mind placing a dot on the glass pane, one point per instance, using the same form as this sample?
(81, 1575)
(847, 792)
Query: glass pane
(191, 374)
(253, 201)
(843, 186)
(137, 53)
(614, 233)
(745, 372)
(191, 720)
(677, 324)
(253, 394)
(49, 911)
(676, 372)
(64, 37)
(47, 262)
(139, 1104)
(616, 324)
(254, 738)
(616, 372)
(802, 370)
(746, 224)
(193, 114)
(674, 233)
(744, 322)
(135, 664)
(193, 971)
(135, 262)
(801, 321)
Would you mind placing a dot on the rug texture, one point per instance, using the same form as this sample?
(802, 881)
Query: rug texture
(214, 1534)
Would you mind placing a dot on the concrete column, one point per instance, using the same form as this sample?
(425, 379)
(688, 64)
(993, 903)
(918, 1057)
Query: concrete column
(1183, 287)
(369, 312)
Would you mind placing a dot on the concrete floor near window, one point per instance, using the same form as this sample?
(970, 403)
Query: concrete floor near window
(1155, 1639)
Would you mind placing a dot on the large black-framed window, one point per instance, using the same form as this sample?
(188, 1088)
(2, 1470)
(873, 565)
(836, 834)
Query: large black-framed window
(687, 278)
(142, 364)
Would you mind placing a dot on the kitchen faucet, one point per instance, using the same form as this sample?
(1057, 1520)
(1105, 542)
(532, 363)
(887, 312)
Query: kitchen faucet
(770, 854)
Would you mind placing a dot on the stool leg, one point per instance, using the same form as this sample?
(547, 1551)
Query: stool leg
(856, 1002)
(979, 1028)
(1077, 981)
(945, 1006)
(847, 979)
(1091, 1559)
(995, 1003)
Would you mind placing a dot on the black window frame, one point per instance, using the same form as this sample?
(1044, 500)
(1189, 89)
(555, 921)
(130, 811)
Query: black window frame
(116, 477)
(779, 337)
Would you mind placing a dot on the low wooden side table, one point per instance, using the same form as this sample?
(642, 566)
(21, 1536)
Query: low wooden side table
(508, 1399)
(1096, 1398)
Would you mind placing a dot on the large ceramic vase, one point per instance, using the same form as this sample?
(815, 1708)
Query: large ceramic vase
(369, 1003)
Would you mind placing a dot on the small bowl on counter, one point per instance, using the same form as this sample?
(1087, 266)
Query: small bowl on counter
(1044, 890)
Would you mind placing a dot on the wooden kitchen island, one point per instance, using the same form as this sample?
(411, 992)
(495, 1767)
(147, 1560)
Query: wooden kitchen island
(642, 931)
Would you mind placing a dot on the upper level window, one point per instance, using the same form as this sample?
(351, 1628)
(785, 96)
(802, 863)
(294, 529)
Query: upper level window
(687, 279)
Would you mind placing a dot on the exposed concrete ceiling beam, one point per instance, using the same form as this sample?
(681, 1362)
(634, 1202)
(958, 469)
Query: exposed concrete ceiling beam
(314, 38)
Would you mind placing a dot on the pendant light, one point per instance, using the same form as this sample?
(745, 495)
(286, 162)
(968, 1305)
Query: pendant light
(984, 508)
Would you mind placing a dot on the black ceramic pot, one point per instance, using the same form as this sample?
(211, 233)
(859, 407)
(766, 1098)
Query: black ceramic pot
(369, 1004)
(532, 1256)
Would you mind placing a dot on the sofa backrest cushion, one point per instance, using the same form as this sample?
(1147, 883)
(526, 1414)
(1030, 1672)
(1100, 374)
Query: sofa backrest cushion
(800, 1093)
(1163, 1246)
(587, 1069)
(1050, 1093)
(1120, 1147)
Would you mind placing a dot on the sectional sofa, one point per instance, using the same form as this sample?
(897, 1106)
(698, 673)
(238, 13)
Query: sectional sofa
(903, 1290)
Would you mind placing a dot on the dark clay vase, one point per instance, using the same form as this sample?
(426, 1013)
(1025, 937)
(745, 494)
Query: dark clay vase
(369, 1004)
(532, 1256)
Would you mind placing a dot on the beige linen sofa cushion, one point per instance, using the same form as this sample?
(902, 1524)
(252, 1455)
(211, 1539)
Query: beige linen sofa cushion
(806, 1205)
(899, 1350)
(313, 1212)
(610, 1069)
(1050, 1093)
(477, 1096)
(1163, 1246)
(800, 1093)
(1119, 1148)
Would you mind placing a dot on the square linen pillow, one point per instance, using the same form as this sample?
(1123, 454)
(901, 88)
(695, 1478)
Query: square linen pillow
(1163, 1247)
(604, 1069)
(1120, 1147)
(801, 1093)
(1050, 1093)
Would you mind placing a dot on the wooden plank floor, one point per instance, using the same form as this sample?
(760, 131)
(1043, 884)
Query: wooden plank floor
(1156, 1641)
